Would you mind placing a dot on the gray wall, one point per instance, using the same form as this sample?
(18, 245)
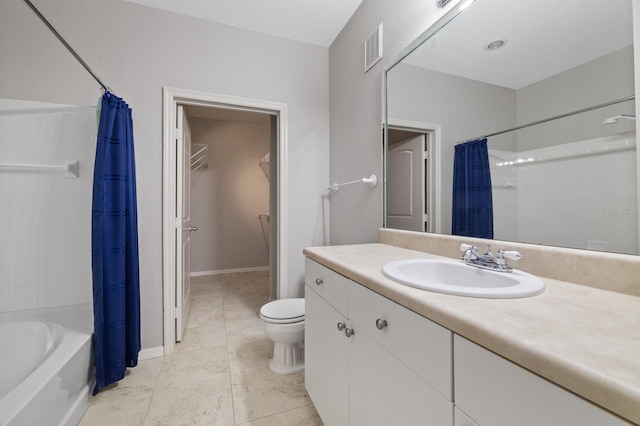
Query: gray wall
(228, 195)
(356, 143)
(604, 79)
(137, 50)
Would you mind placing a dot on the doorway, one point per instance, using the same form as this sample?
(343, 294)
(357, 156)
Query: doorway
(175, 276)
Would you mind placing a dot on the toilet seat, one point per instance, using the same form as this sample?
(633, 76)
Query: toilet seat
(283, 311)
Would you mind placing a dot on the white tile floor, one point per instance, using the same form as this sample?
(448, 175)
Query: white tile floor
(219, 373)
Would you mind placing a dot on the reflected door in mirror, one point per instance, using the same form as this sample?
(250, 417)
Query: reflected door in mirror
(406, 183)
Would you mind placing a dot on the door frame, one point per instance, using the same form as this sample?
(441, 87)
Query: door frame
(434, 147)
(171, 97)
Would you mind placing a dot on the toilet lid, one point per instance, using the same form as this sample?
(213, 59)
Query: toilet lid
(284, 309)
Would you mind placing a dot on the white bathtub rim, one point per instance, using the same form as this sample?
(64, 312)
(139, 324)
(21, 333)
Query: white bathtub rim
(16, 400)
(55, 332)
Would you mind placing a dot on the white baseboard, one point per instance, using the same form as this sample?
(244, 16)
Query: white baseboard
(229, 271)
(149, 353)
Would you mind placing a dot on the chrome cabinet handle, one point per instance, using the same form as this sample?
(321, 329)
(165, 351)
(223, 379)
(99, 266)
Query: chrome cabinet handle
(341, 326)
(192, 228)
(349, 332)
(319, 281)
(380, 323)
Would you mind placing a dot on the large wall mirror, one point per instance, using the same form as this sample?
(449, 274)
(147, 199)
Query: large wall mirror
(550, 85)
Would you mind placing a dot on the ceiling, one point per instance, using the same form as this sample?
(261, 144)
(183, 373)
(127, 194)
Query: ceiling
(311, 21)
(543, 38)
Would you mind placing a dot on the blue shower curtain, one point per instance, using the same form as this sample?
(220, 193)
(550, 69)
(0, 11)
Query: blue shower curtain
(114, 235)
(472, 214)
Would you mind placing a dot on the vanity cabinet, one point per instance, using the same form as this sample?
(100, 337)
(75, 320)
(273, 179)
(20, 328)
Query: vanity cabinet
(422, 345)
(399, 364)
(493, 391)
(326, 346)
(369, 361)
(326, 353)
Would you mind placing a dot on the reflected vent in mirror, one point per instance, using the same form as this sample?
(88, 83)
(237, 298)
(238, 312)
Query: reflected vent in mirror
(373, 49)
(442, 3)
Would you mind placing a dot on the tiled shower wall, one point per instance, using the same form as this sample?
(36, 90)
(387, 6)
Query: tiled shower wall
(594, 206)
(45, 217)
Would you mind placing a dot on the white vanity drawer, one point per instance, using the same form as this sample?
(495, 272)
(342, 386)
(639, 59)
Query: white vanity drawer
(330, 285)
(494, 391)
(422, 345)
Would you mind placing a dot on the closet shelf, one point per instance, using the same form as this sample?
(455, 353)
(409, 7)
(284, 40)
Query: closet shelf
(264, 164)
(198, 156)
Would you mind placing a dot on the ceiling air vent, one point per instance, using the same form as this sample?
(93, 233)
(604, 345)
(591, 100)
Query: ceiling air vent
(442, 3)
(373, 49)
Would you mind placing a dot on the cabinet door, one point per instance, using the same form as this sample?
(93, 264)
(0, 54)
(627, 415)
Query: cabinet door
(424, 346)
(326, 360)
(497, 392)
(384, 392)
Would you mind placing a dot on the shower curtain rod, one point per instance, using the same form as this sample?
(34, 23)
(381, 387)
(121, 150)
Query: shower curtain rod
(579, 111)
(69, 48)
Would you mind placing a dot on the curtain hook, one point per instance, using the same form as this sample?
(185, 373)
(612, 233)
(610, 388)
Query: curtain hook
(106, 90)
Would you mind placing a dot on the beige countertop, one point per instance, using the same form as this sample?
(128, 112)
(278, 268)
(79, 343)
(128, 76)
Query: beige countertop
(584, 339)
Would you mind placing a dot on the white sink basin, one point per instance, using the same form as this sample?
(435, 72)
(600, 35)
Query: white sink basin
(454, 277)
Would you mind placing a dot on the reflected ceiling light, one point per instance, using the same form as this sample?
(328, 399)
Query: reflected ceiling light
(613, 120)
(496, 44)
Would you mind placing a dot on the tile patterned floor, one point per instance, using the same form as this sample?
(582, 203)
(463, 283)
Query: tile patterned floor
(218, 374)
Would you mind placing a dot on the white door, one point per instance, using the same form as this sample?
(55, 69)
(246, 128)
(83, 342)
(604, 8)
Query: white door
(183, 222)
(406, 185)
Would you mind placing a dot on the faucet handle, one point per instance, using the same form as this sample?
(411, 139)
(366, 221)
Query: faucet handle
(510, 254)
(503, 255)
(469, 251)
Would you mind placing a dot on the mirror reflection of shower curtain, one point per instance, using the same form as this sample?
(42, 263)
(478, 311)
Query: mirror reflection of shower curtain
(472, 212)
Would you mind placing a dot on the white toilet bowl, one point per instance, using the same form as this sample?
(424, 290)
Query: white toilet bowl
(283, 322)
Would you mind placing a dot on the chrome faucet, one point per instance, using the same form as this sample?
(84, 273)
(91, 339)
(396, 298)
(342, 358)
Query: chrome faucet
(472, 257)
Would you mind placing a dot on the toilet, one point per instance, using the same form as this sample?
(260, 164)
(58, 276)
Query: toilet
(283, 322)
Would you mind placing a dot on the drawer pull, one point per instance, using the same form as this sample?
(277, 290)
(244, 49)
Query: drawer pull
(341, 326)
(380, 323)
(319, 281)
(349, 332)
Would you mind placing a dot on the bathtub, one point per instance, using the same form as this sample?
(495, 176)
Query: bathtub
(45, 373)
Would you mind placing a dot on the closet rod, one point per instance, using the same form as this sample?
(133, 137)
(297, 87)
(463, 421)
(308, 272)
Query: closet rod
(69, 48)
(579, 111)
